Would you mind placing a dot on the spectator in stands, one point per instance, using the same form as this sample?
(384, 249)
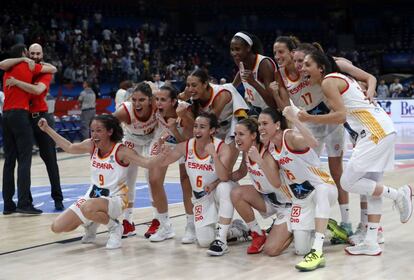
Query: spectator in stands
(157, 80)
(121, 94)
(38, 110)
(17, 130)
(87, 102)
(382, 90)
(409, 92)
(396, 88)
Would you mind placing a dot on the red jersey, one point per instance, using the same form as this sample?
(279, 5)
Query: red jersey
(38, 102)
(14, 97)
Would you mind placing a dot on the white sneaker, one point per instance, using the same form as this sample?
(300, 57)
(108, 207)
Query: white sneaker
(238, 231)
(115, 237)
(404, 203)
(364, 248)
(164, 232)
(217, 248)
(90, 233)
(189, 235)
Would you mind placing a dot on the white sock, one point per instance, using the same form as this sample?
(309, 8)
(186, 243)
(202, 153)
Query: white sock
(190, 220)
(364, 217)
(390, 193)
(155, 213)
(128, 214)
(344, 213)
(254, 226)
(372, 232)
(222, 232)
(163, 218)
(318, 242)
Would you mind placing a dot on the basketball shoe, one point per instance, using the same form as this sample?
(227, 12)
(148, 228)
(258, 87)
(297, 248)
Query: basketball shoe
(128, 229)
(164, 232)
(311, 261)
(404, 203)
(217, 248)
(364, 248)
(115, 236)
(238, 231)
(258, 242)
(155, 224)
(339, 235)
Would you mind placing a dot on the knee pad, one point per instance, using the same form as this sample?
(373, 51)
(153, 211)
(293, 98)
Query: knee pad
(302, 241)
(205, 235)
(374, 205)
(226, 208)
(322, 202)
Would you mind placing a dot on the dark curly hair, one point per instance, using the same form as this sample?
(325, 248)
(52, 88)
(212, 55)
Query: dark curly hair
(111, 123)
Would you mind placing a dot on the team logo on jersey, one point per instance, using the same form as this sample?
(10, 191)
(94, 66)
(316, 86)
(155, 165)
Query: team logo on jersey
(111, 159)
(296, 211)
(363, 133)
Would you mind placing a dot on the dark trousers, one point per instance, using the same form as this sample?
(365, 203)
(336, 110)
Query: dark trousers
(47, 151)
(18, 143)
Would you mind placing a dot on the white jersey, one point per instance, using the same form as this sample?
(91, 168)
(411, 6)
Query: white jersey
(251, 94)
(226, 119)
(260, 181)
(201, 171)
(298, 168)
(309, 97)
(108, 172)
(363, 117)
(137, 131)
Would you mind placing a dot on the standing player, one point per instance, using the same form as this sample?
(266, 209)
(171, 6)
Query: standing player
(360, 75)
(208, 164)
(312, 190)
(256, 71)
(140, 121)
(374, 136)
(107, 196)
(260, 195)
(174, 126)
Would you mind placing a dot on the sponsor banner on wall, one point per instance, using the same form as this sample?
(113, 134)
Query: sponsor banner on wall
(400, 110)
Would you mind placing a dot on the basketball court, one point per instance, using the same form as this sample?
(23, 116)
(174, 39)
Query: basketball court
(30, 250)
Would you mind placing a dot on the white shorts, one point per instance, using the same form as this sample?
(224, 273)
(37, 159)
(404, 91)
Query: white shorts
(115, 206)
(282, 213)
(370, 157)
(330, 136)
(302, 215)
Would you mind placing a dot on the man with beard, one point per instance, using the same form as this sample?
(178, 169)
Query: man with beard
(38, 109)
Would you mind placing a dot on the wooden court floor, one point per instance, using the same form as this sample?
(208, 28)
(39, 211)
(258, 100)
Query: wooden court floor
(29, 250)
